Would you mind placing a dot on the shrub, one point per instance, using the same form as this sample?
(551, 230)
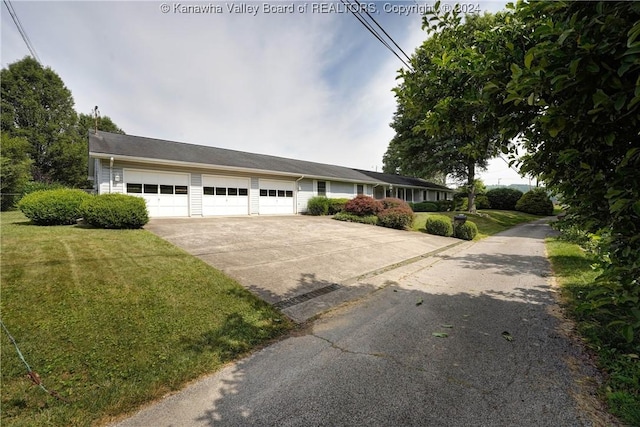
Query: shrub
(535, 202)
(466, 231)
(444, 205)
(337, 205)
(393, 202)
(363, 206)
(504, 198)
(53, 207)
(439, 225)
(318, 206)
(425, 207)
(396, 217)
(115, 211)
(349, 217)
(482, 202)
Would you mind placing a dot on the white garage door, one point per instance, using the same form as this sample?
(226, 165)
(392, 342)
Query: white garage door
(225, 195)
(166, 194)
(276, 197)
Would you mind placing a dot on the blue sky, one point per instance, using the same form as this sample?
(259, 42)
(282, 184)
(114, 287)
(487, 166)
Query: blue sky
(312, 86)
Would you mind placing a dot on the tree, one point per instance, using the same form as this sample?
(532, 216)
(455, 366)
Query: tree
(37, 106)
(15, 168)
(444, 122)
(581, 80)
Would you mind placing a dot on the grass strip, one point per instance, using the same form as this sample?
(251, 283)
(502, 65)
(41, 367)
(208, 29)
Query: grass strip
(489, 221)
(576, 277)
(112, 319)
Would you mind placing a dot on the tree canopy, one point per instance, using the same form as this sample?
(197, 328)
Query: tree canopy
(444, 122)
(37, 108)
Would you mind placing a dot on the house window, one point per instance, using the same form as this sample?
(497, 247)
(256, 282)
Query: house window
(401, 193)
(232, 191)
(181, 189)
(221, 191)
(166, 189)
(208, 191)
(272, 193)
(409, 195)
(151, 189)
(280, 193)
(243, 191)
(424, 195)
(437, 195)
(263, 193)
(322, 188)
(360, 189)
(289, 193)
(134, 188)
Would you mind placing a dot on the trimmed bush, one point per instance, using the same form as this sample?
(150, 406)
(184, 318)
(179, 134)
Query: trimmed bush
(318, 206)
(466, 231)
(53, 207)
(337, 205)
(425, 207)
(504, 198)
(115, 211)
(444, 205)
(349, 217)
(535, 202)
(399, 217)
(440, 225)
(363, 206)
(393, 202)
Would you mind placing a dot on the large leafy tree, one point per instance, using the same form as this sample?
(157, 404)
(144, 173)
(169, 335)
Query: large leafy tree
(581, 78)
(444, 122)
(37, 106)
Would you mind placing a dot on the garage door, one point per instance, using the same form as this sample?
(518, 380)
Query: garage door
(276, 197)
(225, 195)
(166, 194)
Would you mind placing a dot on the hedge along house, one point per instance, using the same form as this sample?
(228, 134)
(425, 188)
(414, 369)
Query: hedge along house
(186, 180)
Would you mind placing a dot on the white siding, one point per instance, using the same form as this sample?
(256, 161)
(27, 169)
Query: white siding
(196, 194)
(254, 196)
(303, 193)
(105, 172)
(340, 190)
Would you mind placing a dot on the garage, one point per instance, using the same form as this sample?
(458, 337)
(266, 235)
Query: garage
(166, 194)
(225, 195)
(276, 197)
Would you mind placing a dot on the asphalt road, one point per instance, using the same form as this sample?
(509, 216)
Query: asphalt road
(472, 339)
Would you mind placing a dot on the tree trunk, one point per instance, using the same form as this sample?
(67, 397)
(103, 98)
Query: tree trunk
(471, 177)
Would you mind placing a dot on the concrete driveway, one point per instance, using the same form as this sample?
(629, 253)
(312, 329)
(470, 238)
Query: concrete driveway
(302, 264)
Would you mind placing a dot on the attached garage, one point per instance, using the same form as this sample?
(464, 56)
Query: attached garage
(276, 197)
(166, 194)
(225, 195)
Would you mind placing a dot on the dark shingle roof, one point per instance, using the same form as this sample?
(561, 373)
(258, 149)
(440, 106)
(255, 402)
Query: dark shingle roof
(402, 180)
(112, 144)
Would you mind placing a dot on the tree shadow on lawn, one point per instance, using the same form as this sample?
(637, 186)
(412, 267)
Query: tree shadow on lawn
(505, 359)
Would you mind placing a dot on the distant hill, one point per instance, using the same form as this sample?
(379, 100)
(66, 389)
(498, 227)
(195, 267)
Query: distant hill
(522, 187)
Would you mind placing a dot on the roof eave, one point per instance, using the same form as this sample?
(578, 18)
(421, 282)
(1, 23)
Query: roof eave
(179, 163)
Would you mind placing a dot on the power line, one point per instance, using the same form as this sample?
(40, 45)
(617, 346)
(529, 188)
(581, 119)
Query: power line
(21, 30)
(373, 31)
(385, 33)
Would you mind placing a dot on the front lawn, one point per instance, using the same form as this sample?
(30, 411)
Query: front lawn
(111, 319)
(495, 221)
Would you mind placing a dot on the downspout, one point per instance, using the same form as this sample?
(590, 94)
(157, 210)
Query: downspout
(297, 188)
(110, 175)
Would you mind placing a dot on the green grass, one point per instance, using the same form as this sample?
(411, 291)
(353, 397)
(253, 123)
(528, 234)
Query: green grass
(112, 319)
(572, 268)
(495, 221)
